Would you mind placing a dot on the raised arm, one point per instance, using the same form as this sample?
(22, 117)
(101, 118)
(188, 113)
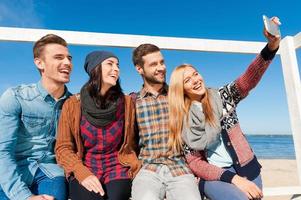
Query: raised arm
(241, 87)
(251, 77)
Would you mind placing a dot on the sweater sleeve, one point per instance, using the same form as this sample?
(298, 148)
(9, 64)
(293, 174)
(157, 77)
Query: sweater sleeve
(201, 168)
(65, 148)
(234, 92)
(251, 77)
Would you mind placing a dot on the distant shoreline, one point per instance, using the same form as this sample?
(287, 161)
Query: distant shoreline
(272, 146)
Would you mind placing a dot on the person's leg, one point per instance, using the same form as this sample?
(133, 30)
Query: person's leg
(218, 190)
(55, 187)
(147, 185)
(3, 195)
(79, 192)
(182, 187)
(118, 189)
(258, 181)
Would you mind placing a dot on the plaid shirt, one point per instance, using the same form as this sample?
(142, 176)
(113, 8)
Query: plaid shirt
(152, 119)
(102, 145)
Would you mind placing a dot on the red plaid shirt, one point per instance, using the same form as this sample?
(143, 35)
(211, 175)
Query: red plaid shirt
(102, 145)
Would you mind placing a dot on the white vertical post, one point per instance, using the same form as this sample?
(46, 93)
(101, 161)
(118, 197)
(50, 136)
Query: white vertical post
(297, 40)
(293, 93)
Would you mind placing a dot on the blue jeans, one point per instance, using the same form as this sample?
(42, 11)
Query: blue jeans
(55, 187)
(219, 190)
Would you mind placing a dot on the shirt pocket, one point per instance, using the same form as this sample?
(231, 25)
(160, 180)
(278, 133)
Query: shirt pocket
(35, 125)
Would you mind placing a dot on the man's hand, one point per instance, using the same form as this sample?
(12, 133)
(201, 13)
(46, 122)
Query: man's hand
(248, 187)
(92, 183)
(273, 40)
(41, 197)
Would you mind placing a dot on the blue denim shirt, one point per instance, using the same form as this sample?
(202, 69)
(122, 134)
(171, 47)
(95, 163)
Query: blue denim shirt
(28, 124)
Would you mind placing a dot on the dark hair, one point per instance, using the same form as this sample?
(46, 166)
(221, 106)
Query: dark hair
(47, 39)
(141, 51)
(94, 87)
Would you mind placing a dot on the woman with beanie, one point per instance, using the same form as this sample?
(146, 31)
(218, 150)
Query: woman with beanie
(205, 120)
(96, 139)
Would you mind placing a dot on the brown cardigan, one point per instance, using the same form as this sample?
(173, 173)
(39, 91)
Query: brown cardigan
(69, 146)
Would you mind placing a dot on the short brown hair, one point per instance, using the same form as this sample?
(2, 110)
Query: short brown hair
(47, 39)
(141, 51)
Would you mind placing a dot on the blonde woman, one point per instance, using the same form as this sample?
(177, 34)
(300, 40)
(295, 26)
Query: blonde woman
(205, 120)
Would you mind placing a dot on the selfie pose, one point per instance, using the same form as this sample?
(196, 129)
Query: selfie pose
(205, 120)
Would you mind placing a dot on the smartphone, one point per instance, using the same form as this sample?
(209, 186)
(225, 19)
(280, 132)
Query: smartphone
(271, 26)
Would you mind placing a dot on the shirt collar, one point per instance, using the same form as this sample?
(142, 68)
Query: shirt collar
(145, 92)
(44, 93)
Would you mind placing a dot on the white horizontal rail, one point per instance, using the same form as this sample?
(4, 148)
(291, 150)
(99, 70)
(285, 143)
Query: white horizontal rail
(281, 191)
(125, 40)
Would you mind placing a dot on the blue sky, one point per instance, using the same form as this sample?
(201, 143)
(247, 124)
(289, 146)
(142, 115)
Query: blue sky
(265, 109)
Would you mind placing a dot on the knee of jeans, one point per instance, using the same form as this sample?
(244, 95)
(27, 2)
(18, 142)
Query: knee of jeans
(145, 195)
(142, 191)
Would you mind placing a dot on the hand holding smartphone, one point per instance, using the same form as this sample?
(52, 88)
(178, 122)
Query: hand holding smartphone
(270, 26)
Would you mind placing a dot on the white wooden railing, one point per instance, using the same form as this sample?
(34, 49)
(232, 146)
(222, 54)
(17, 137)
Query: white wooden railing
(287, 54)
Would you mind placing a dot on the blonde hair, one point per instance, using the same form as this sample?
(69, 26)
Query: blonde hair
(179, 105)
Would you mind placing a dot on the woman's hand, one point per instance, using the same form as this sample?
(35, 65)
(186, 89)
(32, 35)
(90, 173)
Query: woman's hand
(247, 187)
(92, 183)
(273, 40)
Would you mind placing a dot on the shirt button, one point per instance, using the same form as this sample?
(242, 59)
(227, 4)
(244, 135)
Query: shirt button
(229, 143)
(237, 162)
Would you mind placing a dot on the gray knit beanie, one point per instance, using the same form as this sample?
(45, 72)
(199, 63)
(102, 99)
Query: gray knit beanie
(96, 57)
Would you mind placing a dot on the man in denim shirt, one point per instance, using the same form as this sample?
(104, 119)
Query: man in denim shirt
(28, 121)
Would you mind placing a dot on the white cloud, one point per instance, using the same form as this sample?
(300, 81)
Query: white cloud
(19, 13)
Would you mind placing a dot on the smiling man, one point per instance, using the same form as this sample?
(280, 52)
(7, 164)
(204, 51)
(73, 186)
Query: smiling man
(164, 172)
(29, 115)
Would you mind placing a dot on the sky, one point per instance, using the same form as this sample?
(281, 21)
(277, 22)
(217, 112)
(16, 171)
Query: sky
(264, 111)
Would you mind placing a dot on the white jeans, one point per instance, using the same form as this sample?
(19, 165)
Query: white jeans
(149, 185)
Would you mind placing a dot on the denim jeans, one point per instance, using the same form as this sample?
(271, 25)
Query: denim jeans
(219, 190)
(55, 187)
(149, 185)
